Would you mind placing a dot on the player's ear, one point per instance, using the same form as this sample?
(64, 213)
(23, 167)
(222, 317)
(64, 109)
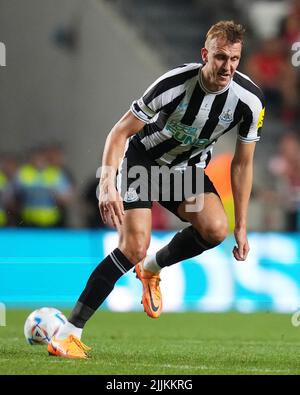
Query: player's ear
(204, 55)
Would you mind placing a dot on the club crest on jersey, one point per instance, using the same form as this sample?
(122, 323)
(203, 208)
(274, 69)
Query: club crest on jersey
(226, 116)
(131, 196)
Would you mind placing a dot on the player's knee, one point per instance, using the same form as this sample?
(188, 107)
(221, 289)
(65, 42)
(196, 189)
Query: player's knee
(216, 231)
(135, 254)
(134, 248)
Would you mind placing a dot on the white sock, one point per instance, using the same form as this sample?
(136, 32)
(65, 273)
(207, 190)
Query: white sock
(151, 265)
(68, 329)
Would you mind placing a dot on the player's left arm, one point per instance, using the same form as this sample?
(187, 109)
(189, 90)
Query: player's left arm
(241, 182)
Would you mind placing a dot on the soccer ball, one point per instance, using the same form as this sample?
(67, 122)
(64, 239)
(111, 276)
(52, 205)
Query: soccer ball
(42, 324)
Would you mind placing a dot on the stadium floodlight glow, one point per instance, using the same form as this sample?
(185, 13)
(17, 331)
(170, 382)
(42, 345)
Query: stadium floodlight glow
(296, 55)
(2, 54)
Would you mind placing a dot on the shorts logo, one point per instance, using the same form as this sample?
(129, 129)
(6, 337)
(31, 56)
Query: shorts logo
(131, 196)
(226, 116)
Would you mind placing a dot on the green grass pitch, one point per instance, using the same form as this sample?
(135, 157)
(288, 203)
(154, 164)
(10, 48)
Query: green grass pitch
(182, 343)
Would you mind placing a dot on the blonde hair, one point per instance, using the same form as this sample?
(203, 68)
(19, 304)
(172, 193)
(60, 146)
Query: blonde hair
(229, 30)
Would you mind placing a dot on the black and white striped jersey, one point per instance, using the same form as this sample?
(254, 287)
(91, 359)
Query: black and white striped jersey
(184, 120)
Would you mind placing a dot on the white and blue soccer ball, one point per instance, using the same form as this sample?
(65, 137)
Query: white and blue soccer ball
(42, 324)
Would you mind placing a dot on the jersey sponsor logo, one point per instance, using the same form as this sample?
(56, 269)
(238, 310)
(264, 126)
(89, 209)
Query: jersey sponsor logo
(178, 127)
(131, 196)
(261, 117)
(226, 116)
(186, 135)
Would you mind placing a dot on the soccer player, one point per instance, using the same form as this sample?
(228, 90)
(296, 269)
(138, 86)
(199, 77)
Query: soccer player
(174, 124)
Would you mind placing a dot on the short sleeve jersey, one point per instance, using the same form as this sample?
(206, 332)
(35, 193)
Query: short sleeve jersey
(184, 120)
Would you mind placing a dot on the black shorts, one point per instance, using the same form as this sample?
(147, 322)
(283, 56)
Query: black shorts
(141, 181)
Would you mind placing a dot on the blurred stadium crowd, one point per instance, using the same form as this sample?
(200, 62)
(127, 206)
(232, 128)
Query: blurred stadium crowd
(39, 190)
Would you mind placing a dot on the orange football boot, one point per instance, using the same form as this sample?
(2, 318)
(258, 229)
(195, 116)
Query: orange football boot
(70, 347)
(151, 299)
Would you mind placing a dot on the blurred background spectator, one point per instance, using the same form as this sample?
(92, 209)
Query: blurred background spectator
(92, 218)
(41, 191)
(285, 167)
(218, 171)
(271, 69)
(290, 25)
(56, 160)
(8, 169)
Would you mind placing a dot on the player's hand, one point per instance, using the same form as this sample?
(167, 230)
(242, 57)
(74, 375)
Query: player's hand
(110, 204)
(240, 251)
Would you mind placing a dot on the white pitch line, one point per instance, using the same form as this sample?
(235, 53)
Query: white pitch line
(203, 367)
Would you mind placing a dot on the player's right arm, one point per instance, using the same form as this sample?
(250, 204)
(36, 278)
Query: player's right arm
(110, 201)
(165, 90)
